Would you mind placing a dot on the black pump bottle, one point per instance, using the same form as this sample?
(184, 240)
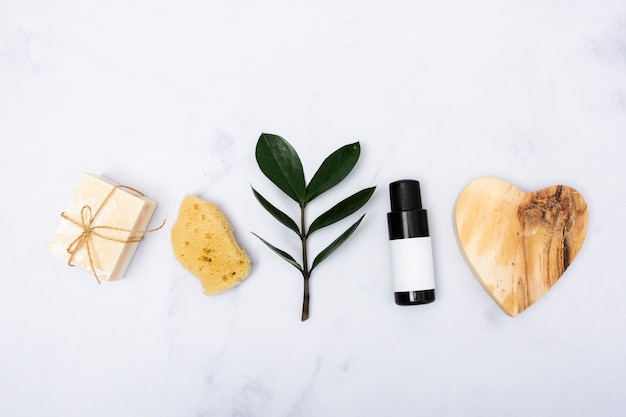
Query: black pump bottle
(410, 245)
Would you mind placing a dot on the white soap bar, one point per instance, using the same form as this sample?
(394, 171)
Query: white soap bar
(119, 208)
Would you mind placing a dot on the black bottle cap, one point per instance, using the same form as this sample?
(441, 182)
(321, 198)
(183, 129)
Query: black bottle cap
(405, 195)
(407, 218)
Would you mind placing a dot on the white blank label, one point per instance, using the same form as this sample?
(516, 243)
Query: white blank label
(412, 264)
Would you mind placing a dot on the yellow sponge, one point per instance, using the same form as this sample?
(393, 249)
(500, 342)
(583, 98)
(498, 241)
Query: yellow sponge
(203, 242)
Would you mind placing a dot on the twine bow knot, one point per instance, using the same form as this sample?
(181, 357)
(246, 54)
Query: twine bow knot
(86, 221)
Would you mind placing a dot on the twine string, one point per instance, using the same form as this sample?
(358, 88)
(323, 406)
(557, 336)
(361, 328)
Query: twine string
(87, 218)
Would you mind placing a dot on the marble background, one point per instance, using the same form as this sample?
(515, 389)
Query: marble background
(171, 96)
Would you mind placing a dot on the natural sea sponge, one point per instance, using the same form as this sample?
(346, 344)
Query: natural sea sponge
(203, 242)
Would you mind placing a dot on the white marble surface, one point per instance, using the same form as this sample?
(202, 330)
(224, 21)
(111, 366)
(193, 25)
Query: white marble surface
(170, 97)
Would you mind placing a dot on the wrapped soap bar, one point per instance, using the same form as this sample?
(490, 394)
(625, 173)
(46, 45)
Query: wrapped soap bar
(102, 226)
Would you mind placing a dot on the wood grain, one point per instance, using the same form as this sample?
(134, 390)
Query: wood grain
(519, 244)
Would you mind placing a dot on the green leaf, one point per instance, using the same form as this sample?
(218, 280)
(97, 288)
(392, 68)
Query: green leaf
(280, 162)
(281, 253)
(278, 215)
(334, 169)
(336, 243)
(342, 210)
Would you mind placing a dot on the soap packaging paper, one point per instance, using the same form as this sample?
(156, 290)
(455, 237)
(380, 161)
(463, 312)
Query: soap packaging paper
(102, 226)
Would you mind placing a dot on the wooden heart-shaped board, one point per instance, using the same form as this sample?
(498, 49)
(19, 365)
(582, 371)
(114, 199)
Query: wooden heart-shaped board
(519, 244)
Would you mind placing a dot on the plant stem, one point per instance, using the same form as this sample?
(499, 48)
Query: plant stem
(306, 274)
(305, 301)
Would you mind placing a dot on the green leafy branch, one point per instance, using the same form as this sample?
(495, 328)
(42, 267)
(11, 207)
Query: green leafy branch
(280, 162)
